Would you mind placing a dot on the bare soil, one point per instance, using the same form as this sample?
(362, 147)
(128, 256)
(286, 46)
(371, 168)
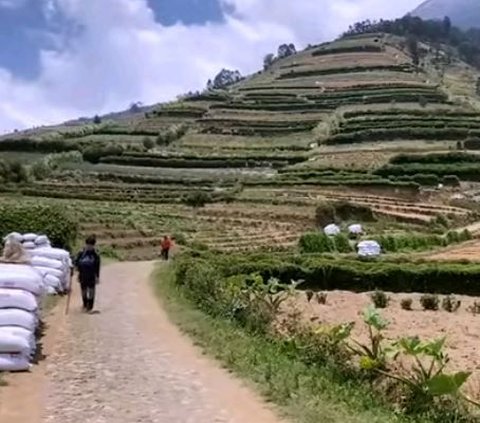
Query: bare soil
(462, 329)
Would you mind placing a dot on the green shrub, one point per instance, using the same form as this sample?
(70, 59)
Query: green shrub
(451, 180)
(380, 299)
(324, 214)
(197, 199)
(406, 304)
(317, 242)
(450, 304)
(342, 244)
(429, 302)
(148, 143)
(13, 171)
(53, 221)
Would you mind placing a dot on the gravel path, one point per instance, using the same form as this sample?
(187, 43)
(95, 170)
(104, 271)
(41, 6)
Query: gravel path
(129, 364)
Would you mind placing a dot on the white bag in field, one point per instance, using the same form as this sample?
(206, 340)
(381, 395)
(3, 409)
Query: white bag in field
(331, 230)
(17, 298)
(14, 363)
(51, 290)
(21, 276)
(29, 237)
(355, 229)
(42, 240)
(12, 344)
(28, 245)
(40, 261)
(18, 331)
(21, 318)
(369, 249)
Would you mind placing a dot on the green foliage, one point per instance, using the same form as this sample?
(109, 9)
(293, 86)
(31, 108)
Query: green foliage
(148, 143)
(94, 153)
(379, 299)
(53, 221)
(341, 211)
(318, 242)
(451, 304)
(197, 199)
(406, 304)
(12, 171)
(429, 302)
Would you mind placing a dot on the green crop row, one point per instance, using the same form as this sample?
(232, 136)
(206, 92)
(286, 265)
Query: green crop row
(436, 158)
(366, 48)
(355, 127)
(409, 112)
(464, 171)
(403, 134)
(325, 273)
(354, 69)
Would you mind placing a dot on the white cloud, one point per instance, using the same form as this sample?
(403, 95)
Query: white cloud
(124, 55)
(12, 4)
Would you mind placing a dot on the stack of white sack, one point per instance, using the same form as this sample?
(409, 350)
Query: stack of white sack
(21, 288)
(53, 263)
(331, 230)
(369, 249)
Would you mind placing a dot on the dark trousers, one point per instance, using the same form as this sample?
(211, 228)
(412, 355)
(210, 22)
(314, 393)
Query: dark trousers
(88, 296)
(165, 252)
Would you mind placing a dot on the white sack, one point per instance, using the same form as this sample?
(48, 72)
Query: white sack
(15, 317)
(331, 230)
(52, 253)
(21, 276)
(40, 261)
(42, 240)
(28, 245)
(12, 344)
(30, 237)
(54, 272)
(18, 331)
(14, 363)
(369, 249)
(17, 298)
(14, 236)
(52, 282)
(355, 229)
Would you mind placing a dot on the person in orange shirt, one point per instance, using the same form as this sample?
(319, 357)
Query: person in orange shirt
(165, 246)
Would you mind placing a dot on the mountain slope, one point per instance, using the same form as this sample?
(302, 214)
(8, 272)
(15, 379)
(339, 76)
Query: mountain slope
(463, 13)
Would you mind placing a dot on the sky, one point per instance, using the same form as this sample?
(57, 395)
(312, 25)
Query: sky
(63, 59)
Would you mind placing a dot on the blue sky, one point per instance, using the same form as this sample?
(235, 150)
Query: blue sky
(61, 59)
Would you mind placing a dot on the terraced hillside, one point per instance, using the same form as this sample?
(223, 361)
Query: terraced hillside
(326, 123)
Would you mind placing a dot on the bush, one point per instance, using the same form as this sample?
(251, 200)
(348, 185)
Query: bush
(197, 199)
(324, 214)
(472, 144)
(53, 221)
(148, 143)
(13, 171)
(429, 302)
(341, 211)
(450, 304)
(94, 153)
(451, 180)
(380, 299)
(316, 242)
(406, 304)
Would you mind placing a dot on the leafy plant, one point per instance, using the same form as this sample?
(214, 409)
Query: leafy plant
(373, 354)
(474, 308)
(451, 304)
(321, 298)
(429, 302)
(380, 299)
(406, 304)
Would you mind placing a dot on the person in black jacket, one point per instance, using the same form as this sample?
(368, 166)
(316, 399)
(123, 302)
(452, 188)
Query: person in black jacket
(87, 263)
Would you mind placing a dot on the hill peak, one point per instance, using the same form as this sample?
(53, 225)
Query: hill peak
(463, 13)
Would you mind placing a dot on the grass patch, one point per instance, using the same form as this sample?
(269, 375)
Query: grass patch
(304, 393)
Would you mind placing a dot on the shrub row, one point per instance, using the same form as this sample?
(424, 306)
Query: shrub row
(353, 49)
(53, 221)
(436, 158)
(353, 69)
(406, 133)
(346, 128)
(464, 171)
(355, 275)
(409, 112)
(316, 242)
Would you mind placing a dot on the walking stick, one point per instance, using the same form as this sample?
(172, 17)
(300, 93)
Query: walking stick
(69, 295)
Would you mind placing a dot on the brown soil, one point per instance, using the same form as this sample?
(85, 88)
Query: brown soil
(461, 328)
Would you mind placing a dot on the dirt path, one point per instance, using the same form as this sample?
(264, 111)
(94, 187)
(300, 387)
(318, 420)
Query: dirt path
(130, 364)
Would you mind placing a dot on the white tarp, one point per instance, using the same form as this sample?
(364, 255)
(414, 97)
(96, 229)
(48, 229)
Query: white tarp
(355, 229)
(369, 249)
(16, 317)
(14, 363)
(17, 298)
(331, 230)
(21, 276)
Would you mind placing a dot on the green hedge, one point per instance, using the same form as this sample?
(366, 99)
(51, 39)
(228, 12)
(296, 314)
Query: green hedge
(353, 49)
(436, 158)
(316, 242)
(53, 221)
(409, 112)
(352, 69)
(325, 273)
(464, 171)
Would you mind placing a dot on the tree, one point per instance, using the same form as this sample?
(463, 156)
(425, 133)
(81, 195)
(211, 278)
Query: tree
(286, 50)
(97, 120)
(268, 61)
(224, 79)
(477, 87)
(135, 107)
(148, 143)
(412, 45)
(447, 26)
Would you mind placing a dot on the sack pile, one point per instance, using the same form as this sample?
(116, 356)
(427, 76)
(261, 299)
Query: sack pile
(21, 289)
(331, 230)
(369, 249)
(355, 229)
(53, 263)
